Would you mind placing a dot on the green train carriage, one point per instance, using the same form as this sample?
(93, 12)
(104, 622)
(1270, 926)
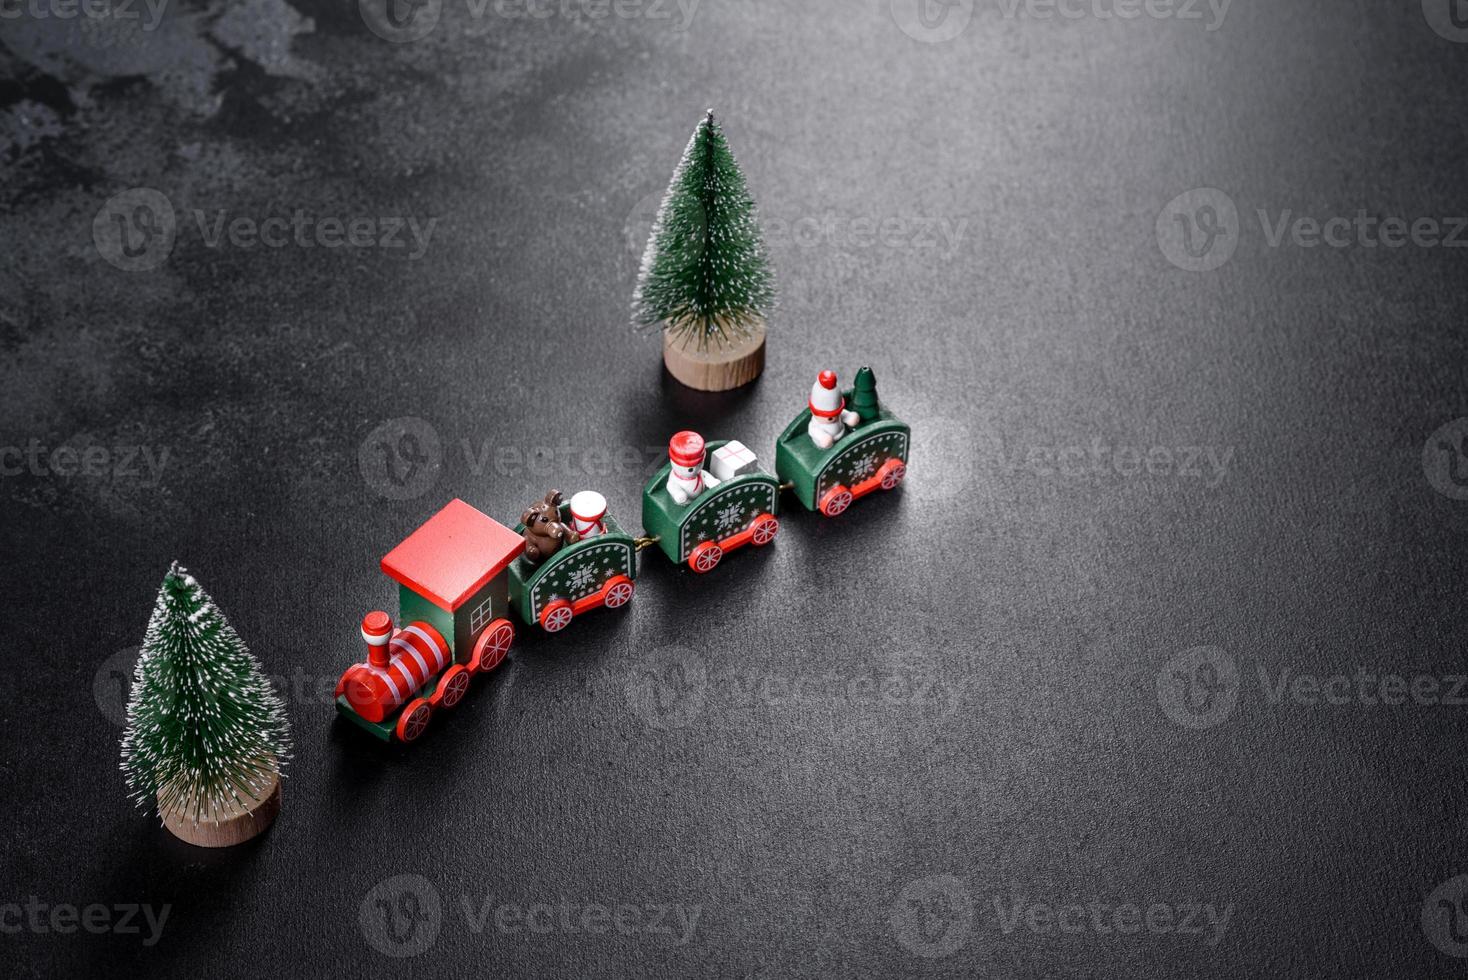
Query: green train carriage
(742, 510)
(592, 573)
(872, 455)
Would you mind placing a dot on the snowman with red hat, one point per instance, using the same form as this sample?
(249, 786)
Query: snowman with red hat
(685, 472)
(829, 418)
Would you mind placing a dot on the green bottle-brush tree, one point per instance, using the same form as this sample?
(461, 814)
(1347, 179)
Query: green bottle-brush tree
(206, 733)
(705, 276)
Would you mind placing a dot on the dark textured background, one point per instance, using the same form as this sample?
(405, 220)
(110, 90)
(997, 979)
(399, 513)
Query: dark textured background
(852, 752)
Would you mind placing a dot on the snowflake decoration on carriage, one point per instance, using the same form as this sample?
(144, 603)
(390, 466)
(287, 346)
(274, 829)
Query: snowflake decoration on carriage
(864, 467)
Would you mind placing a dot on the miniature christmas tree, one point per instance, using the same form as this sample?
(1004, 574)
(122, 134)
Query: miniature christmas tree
(206, 734)
(864, 396)
(705, 276)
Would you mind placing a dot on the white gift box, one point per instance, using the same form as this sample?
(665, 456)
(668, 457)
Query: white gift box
(733, 459)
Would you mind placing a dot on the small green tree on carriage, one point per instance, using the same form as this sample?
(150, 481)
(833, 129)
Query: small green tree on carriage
(206, 733)
(864, 396)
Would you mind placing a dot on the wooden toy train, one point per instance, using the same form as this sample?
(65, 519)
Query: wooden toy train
(462, 574)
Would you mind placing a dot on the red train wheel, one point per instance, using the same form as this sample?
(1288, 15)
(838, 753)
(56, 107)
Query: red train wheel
(835, 501)
(414, 720)
(494, 644)
(619, 591)
(766, 526)
(893, 472)
(556, 616)
(706, 557)
(454, 686)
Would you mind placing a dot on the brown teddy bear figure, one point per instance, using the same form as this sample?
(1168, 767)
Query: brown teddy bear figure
(544, 532)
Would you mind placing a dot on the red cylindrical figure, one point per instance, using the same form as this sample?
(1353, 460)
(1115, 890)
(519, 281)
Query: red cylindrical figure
(377, 631)
(415, 654)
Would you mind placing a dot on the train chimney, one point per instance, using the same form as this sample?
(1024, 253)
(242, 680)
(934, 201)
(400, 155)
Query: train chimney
(377, 631)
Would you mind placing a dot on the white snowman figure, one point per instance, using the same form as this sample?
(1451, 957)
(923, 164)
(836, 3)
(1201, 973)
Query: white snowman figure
(828, 415)
(685, 476)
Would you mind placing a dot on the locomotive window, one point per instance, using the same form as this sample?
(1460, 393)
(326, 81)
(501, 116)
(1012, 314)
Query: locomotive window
(481, 616)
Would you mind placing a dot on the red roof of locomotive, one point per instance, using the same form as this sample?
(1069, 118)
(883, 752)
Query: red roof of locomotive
(453, 555)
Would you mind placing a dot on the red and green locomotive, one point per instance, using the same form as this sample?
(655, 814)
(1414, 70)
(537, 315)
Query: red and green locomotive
(454, 598)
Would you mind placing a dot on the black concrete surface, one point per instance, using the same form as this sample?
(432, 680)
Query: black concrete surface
(1151, 670)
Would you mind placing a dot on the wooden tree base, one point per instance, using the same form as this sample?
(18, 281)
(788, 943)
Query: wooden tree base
(716, 369)
(235, 828)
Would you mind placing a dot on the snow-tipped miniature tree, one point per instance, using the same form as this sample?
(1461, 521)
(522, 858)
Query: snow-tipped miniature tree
(206, 734)
(705, 276)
